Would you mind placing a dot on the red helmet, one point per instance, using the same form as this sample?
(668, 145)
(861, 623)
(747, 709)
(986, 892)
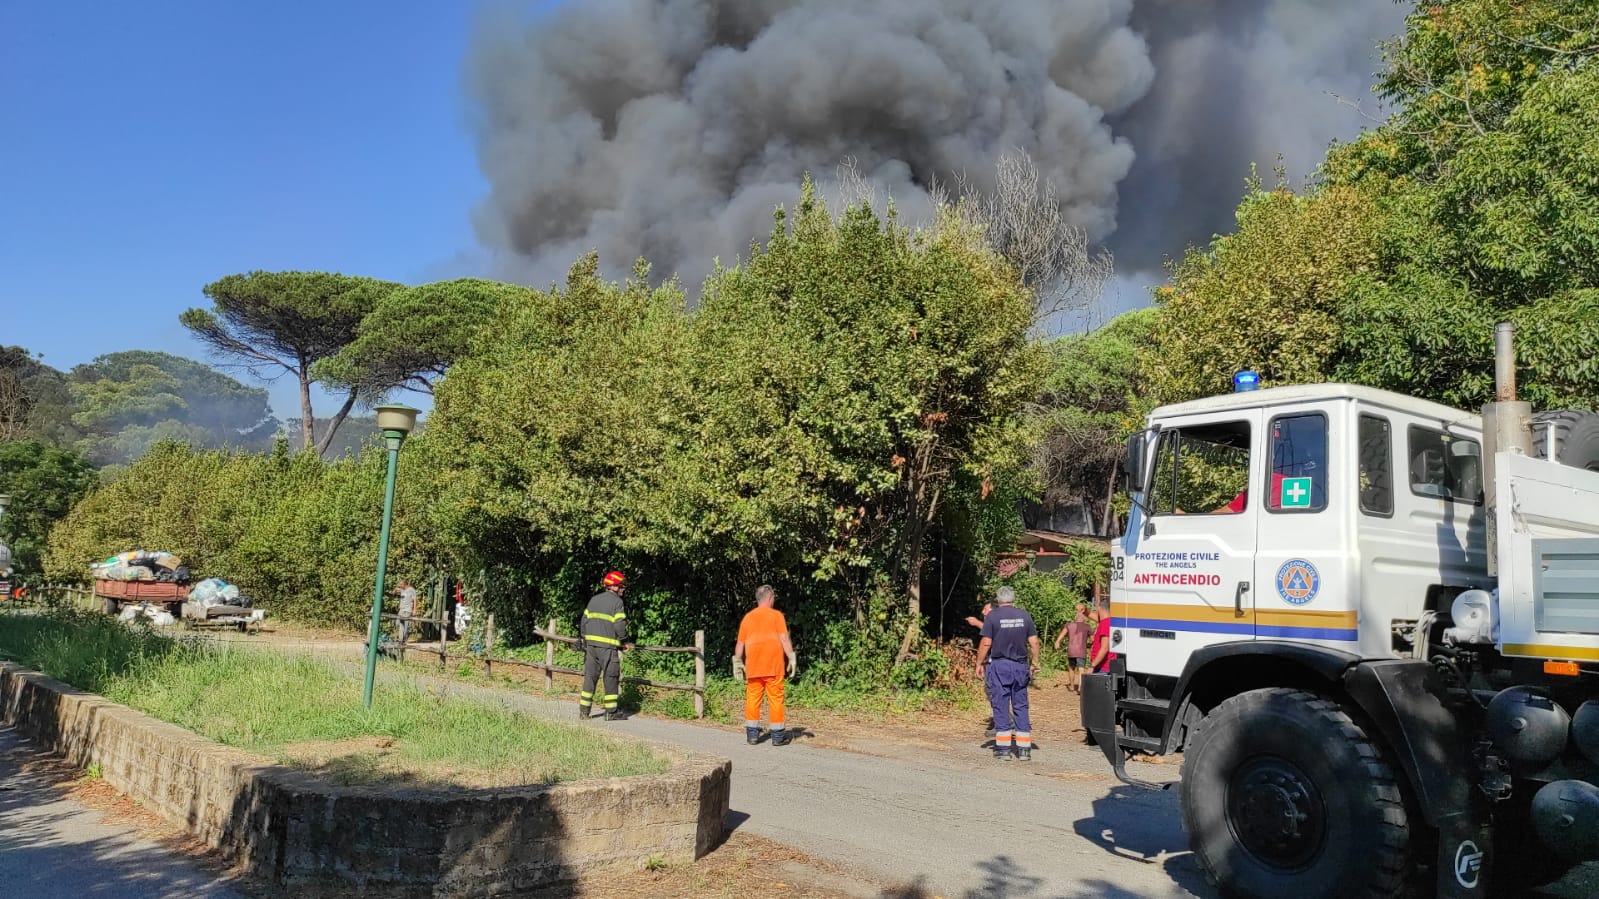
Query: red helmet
(614, 579)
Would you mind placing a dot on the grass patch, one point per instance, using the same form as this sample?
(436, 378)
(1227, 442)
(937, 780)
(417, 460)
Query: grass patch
(307, 712)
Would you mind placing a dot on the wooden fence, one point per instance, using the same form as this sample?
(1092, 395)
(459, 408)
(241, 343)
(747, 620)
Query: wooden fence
(551, 637)
(75, 596)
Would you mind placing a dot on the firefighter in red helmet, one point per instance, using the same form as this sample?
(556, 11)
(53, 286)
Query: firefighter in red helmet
(604, 635)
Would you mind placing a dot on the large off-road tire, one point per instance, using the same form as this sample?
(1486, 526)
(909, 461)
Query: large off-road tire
(1576, 437)
(1284, 796)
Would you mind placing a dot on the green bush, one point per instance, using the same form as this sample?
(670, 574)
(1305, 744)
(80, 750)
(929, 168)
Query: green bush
(1049, 599)
(296, 534)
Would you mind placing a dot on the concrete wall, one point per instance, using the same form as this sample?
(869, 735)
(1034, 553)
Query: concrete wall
(296, 830)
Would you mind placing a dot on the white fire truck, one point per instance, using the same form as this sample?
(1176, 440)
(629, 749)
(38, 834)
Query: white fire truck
(1371, 624)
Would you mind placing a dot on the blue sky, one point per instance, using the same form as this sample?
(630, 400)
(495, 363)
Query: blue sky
(147, 149)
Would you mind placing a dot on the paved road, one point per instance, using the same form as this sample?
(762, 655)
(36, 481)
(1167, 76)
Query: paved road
(949, 821)
(939, 820)
(55, 848)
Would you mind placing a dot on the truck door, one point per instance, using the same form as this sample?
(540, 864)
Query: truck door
(1191, 582)
(1303, 560)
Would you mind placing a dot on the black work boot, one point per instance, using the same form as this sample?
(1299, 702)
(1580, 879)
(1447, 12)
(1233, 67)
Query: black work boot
(582, 713)
(752, 735)
(1002, 753)
(1024, 754)
(780, 738)
(614, 715)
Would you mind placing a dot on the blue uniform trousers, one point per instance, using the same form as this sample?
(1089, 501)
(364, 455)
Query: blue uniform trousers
(1007, 694)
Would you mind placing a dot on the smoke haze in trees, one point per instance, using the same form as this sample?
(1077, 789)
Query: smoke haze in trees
(670, 129)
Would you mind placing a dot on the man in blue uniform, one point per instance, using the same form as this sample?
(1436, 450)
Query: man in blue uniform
(1009, 648)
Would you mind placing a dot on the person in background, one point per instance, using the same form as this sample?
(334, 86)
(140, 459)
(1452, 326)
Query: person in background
(1076, 634)
(977, 620)
(604, 636)
(758, 657)
(1010, 639)
(1102, 656)
(407, 594)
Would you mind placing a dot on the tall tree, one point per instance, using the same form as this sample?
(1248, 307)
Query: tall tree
(415, 334)
(35, 403)
(275, 323)
(126, 401)
(43, 481)
(1087, 407)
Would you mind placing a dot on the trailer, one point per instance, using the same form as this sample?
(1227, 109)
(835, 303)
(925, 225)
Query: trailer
(195, 616)
(113, 595)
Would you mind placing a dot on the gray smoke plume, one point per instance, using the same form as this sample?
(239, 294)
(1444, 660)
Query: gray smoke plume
(670, 129)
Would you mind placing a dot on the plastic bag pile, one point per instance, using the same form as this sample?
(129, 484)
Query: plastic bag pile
(158, 615)
(141, 565)
(214, 591)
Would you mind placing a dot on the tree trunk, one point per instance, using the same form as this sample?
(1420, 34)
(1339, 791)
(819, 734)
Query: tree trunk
(1110, 494)
(333, 424)
(913, 602)
(307, 419)
(919, 514)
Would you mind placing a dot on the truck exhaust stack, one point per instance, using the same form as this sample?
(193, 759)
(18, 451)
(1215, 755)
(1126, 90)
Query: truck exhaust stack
(1506, 427)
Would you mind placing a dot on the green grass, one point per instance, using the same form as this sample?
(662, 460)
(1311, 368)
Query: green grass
(275, 704)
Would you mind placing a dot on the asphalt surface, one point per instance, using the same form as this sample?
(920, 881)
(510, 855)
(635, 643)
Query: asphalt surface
(944, 822)
(926, 822)
(54, 848)
(922, 821)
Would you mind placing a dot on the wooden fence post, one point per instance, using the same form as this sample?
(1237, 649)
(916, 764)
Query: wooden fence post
(443, 642)
(488, 647)
(549, 659)
(699, 674)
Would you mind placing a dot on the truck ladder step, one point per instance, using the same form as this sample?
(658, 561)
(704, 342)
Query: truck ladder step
(1145, 706)
(1150, 745)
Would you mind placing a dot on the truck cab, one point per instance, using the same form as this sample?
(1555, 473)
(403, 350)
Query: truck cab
(1370, 623)
(1327, 514)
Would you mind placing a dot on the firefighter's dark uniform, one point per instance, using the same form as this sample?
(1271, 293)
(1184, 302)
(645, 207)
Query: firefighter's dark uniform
(604, 631)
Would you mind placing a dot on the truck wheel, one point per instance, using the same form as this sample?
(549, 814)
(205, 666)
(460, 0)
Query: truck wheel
(109, 606)
(1576, 438)
(1283, 795)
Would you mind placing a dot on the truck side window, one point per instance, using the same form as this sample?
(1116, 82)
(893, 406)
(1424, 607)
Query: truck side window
(1444, 466)
(1297, 469)
(1376, 466)
(1202, 469)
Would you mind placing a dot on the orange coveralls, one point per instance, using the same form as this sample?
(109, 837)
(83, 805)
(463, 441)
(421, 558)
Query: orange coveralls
(761, 632)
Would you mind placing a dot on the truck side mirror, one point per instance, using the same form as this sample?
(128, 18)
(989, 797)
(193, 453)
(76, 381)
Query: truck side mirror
(1133, 462)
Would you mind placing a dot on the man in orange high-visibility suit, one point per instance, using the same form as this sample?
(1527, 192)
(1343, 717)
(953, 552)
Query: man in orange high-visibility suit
(758, 659)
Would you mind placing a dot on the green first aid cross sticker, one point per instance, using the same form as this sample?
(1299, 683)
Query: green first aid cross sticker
(1295, 493)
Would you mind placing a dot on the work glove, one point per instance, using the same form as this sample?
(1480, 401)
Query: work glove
(738, 669)
(793, 665)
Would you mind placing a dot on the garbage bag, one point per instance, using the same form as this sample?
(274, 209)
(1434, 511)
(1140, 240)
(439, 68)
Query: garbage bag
(208, 592)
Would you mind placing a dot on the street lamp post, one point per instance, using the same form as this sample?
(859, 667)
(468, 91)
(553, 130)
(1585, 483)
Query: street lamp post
(5, 551)
(396, 422)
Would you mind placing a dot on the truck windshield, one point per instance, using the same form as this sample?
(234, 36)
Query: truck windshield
(1202, 470)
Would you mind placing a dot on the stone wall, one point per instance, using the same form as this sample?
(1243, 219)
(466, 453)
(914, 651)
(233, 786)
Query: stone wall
(299, 831)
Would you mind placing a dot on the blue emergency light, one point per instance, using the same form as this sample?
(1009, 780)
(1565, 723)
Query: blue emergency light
(1245, 381)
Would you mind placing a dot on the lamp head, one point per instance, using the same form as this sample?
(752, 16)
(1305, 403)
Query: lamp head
(397, 418)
